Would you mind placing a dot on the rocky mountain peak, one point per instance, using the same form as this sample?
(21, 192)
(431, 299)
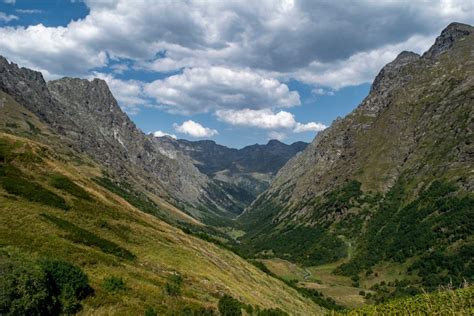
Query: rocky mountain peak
(452, 33)
(385, 78)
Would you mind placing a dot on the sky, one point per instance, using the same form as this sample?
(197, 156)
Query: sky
(237, 72)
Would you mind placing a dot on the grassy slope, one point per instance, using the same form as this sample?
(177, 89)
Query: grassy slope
(160, 249)
(449, 302)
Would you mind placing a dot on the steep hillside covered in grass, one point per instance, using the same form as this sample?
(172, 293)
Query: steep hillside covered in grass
(58, 204)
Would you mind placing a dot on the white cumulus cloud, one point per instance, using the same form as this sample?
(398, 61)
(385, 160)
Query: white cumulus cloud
(206, 89)
(267, 119)
(162, 134)
(309, 127)
(276, 135)
(194, 129)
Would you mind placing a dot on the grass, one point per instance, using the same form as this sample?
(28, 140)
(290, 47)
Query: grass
(319, 278)
(16, 183)
(448, 302)
(88, 235)
(82, 236)
(65, 184)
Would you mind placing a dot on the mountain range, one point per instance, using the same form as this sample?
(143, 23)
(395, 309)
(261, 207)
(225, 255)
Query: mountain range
(386, 190)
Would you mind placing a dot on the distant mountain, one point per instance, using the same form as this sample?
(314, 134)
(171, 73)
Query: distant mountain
(393, 181)
(87, 117)
(241, 173)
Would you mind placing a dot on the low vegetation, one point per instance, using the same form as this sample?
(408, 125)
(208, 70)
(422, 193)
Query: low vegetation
(80, 235)
(40, 287)
(448, 302)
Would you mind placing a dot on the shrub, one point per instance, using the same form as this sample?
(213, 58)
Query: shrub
(150, 312)
(229, 306)
(65, 184)
(272, 312)
(80, 235)
(173, 286)
(67, 282)
(45, 287)
(113, 284)
(23, 288)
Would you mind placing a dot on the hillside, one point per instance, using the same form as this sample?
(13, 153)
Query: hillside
(242, 173)
(58, 204)
(88, 118)
(459, 302)
(392, 182)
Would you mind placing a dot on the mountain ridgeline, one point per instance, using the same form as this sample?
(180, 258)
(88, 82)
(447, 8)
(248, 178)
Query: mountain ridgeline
(87, 117)
(241, 173)
(391, 182)
(151, 221)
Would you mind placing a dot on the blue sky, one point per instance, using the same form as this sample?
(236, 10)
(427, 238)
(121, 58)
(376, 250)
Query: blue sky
(237, 72)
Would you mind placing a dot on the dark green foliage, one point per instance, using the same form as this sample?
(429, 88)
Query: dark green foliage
(306, 245)
(150, 312)
(317, 297)
(338, 200)
(437, 268)
(173, 286)
(196, 311)
(137, 199)
(66, 282)
(229, 306)
(392, 290)
(211, 234)
(437, 218)
(80, 235)
(272, 312)
(23, 287)
(114, 284)
(34, 130)
(262, 267)
(15, 182)
(65, 184)
(47, 287)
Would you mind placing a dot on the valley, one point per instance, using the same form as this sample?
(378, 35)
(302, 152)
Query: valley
(378, 210)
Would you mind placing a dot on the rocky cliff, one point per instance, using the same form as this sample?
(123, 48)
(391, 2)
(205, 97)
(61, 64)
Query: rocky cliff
(87, 117)
(241, 173)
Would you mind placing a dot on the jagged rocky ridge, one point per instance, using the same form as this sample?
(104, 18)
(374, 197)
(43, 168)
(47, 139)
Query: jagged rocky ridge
(87, 116)
(413, 131)
(243, 173)
(89, 120)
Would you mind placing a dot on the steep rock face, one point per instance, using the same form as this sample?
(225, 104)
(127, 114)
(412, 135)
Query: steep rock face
(414, 127)
(241, 173)
(89, 119)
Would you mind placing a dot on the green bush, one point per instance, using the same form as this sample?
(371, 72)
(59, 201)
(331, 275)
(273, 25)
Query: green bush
(113, 284)
(173, 286)
(45, 287)
(23, 288)
(229, 306)
(65, 184)
(272, 312)
(150, 312)
(67, 282)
